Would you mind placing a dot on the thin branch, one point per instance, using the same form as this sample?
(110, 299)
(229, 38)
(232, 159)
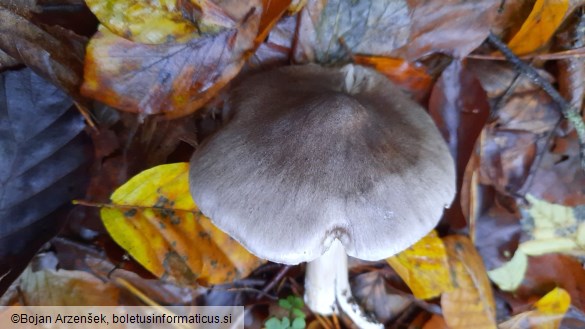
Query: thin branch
(570, 113)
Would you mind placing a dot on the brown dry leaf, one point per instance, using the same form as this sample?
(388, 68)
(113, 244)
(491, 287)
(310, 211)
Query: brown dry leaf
(424, 267)
(436, 322)
(543, 21)
(65, 288)
(375, 295)
(6, 61)
(548, 312)
(213, 16)
(175, 79)
(142, 21)
(410, 77)
(52, 53)
(471, 304)
(547, 272)
(458, 104)
(451, 27)
(154, 218)
(512, 141)
(559, 178)
(276, 49)
(328, 29)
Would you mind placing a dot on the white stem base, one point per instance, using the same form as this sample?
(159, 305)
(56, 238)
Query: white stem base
(327, 286)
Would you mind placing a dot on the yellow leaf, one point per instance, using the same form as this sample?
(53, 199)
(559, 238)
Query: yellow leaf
(471, 304)
(154, 218)
(424, 267)
(547, 314)
(552, 228)
(544, 19)
(144, 21)
(510, 275)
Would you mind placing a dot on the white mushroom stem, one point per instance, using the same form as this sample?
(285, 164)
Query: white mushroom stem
(327, 286)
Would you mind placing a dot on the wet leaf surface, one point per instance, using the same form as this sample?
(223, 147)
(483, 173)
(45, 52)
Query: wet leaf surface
(328, 29)
(175, 79)
(160, 60)
(154, 218)
(424, 267)
(54, 54)
(471, 304)
(452, 27)
(543, 21)
(43, 166)
(149, 22)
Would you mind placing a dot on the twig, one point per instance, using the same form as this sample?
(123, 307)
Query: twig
(569, 112)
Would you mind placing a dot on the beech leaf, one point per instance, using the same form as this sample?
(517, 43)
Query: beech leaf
(175, 79)
(44, 157)
(471, 304)
(424, 267)
(544, 19)
(153, 217)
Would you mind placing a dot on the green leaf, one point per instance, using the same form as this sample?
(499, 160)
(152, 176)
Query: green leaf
(299, 323)
(296, 301)
(285, 322)
(285, 303)
(273, 323)
(298, 313)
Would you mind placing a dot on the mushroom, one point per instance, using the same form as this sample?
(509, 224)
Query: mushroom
(317, 163)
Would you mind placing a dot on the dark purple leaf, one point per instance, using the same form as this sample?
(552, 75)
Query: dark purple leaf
(44, 155)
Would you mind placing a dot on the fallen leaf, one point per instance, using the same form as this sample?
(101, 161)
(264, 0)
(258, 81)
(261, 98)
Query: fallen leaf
(509, 276)
(412, 78)
(560, 178)
(44, 159)
(329, 29)
(42, 284)
(175, 79)
(548, 312)
(276, 49)
(424, 267)
(518, 132)
(271, 13)
(436, 322)
(375, 295)
(553, 228)
(471, 304)
(451, 27)
(296, 6)
(6, 61)
(459, 106)
(548, 272)
(545, 18)
(154, 218)
(498, 227)
(150, 22)
(54, 54)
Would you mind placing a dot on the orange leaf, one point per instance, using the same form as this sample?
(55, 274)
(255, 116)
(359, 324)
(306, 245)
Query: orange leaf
(471, 304)
(424, 267)
(173, 78)
(544, 19)
(154, 218)
(399, 71)
(273, 10)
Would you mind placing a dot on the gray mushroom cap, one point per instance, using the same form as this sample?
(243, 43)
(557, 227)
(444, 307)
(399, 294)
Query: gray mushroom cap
(311, 154)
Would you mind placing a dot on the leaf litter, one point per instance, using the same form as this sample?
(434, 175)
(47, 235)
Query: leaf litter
(511, 145)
